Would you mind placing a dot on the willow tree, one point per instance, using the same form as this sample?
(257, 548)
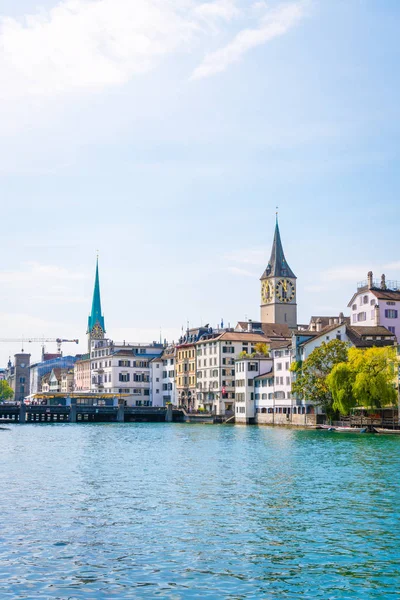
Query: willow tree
(340, 382)
(365, 380)
(374, 382)
(311, 375)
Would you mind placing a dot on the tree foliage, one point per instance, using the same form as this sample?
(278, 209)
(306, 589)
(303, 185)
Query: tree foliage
(366, 380)
(6, 392)
(261, 348)
(311, 375)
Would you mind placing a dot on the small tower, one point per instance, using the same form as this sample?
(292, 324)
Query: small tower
(278, 287)
(96, 328)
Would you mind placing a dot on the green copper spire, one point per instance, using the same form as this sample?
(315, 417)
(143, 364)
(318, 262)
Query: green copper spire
(96, 316)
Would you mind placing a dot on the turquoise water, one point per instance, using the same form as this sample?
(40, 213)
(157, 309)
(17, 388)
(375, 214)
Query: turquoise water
(191, 511)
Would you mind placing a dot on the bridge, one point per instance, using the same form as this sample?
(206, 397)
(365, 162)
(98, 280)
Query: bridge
(87, 414)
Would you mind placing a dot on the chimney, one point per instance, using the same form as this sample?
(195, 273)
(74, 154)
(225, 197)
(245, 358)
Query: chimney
(341, 317)
(331, 321)
(318, 325)
(383, 282)
(370, 280)
(377, 315)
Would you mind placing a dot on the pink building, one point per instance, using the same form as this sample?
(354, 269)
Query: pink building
(377, 303)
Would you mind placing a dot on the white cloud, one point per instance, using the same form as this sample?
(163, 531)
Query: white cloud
(39, 274)
(81, 43)
(249, 256)
(223, 9)
(275, 23)
(95, 43)
(239, 271)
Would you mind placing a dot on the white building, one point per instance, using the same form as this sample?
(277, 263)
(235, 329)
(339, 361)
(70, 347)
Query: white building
(215, 368)
(123, 369)
(168, 381)
(156, 396)
(247, 370)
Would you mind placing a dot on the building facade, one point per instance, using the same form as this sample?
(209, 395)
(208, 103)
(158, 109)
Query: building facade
(123, 368)
(377, 303)
(215, 368)
(168, 382)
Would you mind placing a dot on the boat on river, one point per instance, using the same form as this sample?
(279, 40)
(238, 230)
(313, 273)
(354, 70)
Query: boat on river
(351, 429)
(388, 431)
(343, 429)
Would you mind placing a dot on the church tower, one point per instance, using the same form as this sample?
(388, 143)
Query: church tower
(96, 329)
(278, 288)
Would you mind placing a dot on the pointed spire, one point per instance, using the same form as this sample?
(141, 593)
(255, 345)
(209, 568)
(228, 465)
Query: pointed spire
(96, 316)
(277, 266)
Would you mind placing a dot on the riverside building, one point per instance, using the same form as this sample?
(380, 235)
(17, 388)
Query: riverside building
(377, 303)
(215, 360)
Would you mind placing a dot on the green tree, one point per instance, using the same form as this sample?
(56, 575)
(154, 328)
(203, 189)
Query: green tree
(340, 382)
(311, 375)
(6, 392)
(374, 371)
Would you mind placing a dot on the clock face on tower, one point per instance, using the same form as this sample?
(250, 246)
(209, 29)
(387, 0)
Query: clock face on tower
(285, 291)
(97, 332)
(267, 292)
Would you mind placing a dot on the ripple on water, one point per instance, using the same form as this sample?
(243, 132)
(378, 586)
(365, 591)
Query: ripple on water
(180, 511)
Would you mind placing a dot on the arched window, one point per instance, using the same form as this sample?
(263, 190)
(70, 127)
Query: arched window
(365, 299)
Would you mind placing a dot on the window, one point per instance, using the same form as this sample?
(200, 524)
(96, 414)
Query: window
(124, 377)
(391, 303)
(279, 367)
(392, 329)
(22, 379)
(287, 366)
(124, 363)
(365, 299)
(373, 302)
(354, 307)
(390, 313)
(362, 316)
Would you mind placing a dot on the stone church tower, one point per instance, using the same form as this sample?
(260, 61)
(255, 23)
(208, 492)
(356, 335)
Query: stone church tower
(278, 288)
(96, 328)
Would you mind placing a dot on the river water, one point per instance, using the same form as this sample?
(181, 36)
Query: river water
(197, 511)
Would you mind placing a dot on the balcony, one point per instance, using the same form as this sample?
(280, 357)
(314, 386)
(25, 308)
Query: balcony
(393, 286)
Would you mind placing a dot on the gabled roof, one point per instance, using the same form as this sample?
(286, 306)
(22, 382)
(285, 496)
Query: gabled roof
(371, 330)
(268, 375)
(270, 330)
(277, 266)
(391, 295)
(386, 294)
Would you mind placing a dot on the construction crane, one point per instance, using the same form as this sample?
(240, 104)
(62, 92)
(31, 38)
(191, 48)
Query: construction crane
(43, 341)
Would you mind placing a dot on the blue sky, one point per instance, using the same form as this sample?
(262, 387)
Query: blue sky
(164, 133)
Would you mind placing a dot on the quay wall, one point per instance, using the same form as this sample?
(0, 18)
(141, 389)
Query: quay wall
(279, 419)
